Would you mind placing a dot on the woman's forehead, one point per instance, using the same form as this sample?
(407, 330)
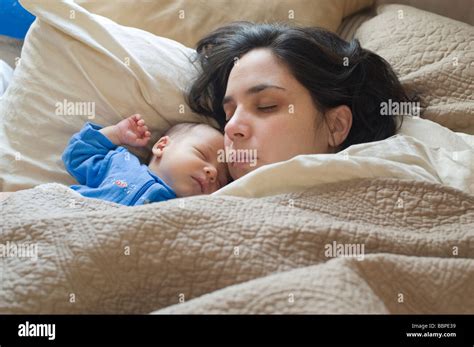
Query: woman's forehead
(258, 67)
(258, 63)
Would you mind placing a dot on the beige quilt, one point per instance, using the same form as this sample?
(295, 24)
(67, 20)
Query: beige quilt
(407, 247)
(433, 55)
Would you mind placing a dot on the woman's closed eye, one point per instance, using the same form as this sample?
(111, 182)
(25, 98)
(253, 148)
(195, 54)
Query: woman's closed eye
(269, 108)
(262, 108)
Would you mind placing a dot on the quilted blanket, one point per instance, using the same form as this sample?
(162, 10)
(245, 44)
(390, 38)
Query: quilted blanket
(433, 56)
(364, 246)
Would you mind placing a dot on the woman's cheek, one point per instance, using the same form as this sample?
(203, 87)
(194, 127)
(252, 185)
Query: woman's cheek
(272, 141)
(227, 141)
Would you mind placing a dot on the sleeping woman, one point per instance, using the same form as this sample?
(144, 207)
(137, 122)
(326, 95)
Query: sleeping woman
(279, 91)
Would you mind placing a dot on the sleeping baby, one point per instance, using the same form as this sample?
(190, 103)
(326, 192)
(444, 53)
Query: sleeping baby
(183, 162)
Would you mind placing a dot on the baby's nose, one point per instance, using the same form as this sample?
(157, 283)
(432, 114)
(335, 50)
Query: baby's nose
(211, 173)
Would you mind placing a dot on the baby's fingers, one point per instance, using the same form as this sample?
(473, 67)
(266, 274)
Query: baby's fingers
(138, 120)
(142, 129)
(140, 142)
(130, 135)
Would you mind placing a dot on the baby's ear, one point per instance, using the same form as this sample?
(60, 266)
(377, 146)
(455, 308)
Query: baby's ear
(160, 146)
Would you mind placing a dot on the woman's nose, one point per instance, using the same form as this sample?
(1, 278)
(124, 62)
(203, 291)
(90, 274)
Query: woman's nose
(211, 173)
(237, 128)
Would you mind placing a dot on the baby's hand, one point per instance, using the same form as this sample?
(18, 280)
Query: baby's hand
(132, 131)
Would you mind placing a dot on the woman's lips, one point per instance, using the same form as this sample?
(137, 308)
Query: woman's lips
(242, 157)
(238, 164)
(244, 163)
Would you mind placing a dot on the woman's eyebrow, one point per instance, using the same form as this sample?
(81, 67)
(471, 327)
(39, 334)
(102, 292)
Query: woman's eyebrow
(252, 90)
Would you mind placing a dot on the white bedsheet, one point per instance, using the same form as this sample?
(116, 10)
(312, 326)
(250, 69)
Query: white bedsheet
(6, 73)
(423, 150)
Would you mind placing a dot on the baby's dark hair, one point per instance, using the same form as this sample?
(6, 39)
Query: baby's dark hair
(335, 72)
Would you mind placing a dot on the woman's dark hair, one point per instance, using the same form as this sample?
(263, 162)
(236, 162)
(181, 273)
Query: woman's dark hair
(335, 72)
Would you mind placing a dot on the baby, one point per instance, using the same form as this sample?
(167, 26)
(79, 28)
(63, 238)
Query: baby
(184, 162)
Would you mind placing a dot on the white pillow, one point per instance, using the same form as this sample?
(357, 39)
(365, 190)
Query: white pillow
(89, 64)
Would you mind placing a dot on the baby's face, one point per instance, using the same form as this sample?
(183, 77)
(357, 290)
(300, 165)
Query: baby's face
(189, 163)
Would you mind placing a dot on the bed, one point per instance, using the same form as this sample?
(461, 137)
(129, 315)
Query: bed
(383, 227)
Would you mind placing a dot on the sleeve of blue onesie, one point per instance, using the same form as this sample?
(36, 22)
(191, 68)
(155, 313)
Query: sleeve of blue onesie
(87, 155)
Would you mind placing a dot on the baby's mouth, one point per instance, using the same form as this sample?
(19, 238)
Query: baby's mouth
(200, 183)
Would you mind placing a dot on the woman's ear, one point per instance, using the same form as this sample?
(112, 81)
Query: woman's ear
(160, 145)
(339, 121)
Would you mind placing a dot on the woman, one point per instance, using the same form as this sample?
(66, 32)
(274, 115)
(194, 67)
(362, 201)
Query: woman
(283, 91)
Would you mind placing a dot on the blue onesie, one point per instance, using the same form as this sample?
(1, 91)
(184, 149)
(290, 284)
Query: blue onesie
(106, 171)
